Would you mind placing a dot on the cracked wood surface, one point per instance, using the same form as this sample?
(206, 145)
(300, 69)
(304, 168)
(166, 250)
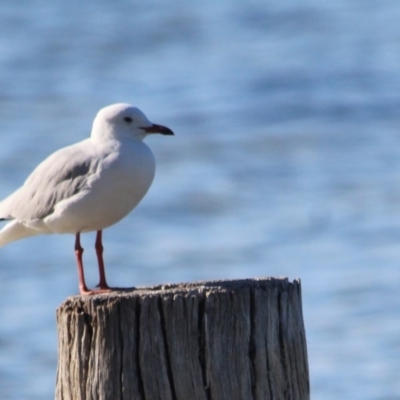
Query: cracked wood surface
(233, 340)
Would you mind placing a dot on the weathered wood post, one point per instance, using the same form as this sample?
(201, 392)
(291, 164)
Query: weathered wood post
(225, 340)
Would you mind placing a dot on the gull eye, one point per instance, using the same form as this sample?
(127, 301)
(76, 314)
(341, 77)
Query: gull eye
(128, 120)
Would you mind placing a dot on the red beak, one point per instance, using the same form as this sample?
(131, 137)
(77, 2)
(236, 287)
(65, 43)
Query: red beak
(158, 129)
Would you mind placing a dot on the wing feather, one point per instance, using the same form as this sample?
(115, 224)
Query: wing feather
(58, 177)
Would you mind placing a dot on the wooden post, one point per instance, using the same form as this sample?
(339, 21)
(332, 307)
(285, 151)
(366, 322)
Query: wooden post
(225, 340)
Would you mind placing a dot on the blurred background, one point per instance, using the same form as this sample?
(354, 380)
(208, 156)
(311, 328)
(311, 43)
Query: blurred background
(286, 162)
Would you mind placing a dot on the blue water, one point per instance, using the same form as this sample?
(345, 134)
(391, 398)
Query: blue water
(286, 162)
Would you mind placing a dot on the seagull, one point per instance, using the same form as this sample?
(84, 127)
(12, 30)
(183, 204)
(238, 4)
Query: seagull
(87, 186)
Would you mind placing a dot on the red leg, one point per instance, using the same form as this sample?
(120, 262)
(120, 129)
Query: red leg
(99, 251)
(78, 253)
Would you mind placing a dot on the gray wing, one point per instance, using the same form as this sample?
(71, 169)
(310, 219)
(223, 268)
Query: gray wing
(60, 176)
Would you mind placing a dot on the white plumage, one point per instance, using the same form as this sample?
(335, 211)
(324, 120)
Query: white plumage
(87, 186)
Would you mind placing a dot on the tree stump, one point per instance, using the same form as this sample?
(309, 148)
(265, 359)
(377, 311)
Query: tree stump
(224, 340)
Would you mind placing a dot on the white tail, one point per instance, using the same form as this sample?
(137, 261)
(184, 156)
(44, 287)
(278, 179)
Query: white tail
(15, 231)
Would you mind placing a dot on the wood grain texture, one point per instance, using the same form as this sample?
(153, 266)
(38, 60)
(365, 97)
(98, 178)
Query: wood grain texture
(233, 340)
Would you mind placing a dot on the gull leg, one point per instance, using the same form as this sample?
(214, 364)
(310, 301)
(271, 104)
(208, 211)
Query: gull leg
(99, 252)
(78, 253)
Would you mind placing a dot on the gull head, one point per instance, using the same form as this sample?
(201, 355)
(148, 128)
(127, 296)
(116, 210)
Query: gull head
(122, 121)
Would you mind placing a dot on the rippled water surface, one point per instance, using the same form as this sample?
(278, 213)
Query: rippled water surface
(286, 162)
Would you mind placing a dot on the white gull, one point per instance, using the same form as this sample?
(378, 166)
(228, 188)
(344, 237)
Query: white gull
(87, 186)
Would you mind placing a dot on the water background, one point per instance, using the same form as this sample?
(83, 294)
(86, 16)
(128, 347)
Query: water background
(286, 162)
